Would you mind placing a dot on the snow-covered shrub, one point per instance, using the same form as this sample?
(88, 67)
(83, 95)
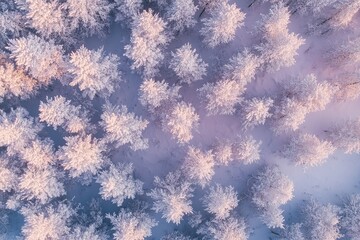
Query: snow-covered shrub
(221, 97)
(47, 17)
(271, 189)
(94, 72)
(171, 197)
(59, 111)
(43, 59)
(90, 16)
(128, 10)
(123, 127)
(187, 64)
(41, 184)
(293, 232)
(242, 67)
(118, 183)
(345, 12)
(288, 115)
(255, 111)
(226, 229)
(180, 13)
(350, 220)
(307, 150)
(39, 153)
(348, 86)
(199, 166)
(155, 94)
(322, 221)
(14, 82)
(247, 150)
(280, 51)
(82, 155)
(223, 152)
(180, 121)
(131, 225)
(17, 129)
(220, 201)
(309, 91)
(346, 136)
(148, 37)
(222, 14)
(53, 222)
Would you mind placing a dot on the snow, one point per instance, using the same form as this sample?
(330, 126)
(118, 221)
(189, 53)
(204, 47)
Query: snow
(331, 182)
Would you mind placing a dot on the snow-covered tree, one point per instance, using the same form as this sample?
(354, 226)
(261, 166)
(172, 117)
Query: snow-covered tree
(309, 91)
(226, 229)
(322, 221)
(347, 86)
(148, 38)
(313, 6)
(307, 150)
(94, 72)
(8, 176)
(246, 150)
(41, 184)
(346, 53)
(123, 127)
(155, 94)
(221, 97)
(223, 152)
(346, 136)
(199, 166)
(271, 189)
(275, 23)
(12, 25)
(345, 12)
(86, 233)
(180, 121)
(255, 111)
(220, 201)
(280, 51)
(128, 10)
(53, 222)
(293, 232)
(14, 82)
(288, 115)
(222, 14)
(118, 183)
(44, 60)
(39, 153)
(187, 64)
(350, 220)
(47, 17)
(82, 155)
(242, 67)
(180, 13)
(171, 197)
(59, 111)
(91, 16)
(17, 130)
(175, 236)
(131, 225)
